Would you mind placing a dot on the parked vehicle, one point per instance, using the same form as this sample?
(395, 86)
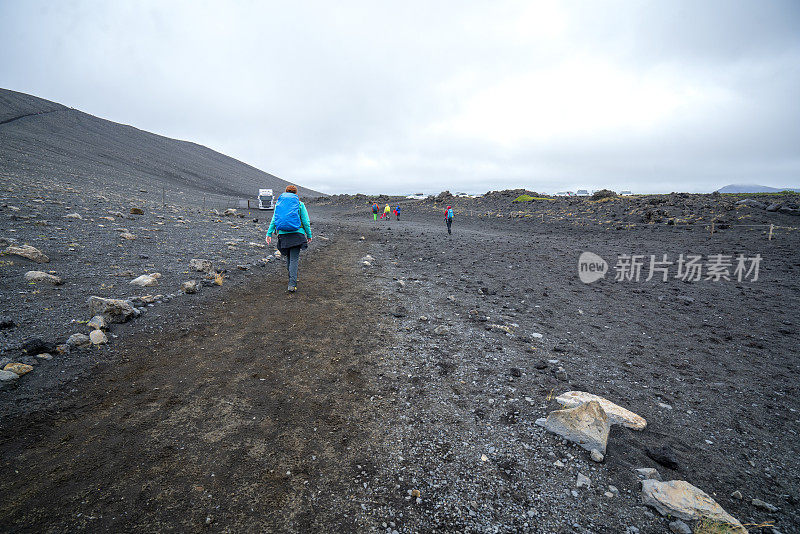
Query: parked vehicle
(625, 193)
(266, 201)
(582, 193)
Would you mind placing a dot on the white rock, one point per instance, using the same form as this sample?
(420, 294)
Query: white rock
(679, 499)
(8, 376)
(144, 280)
(617, 415)
(112, 310)
(200, 265)
(190, 286)
(587, 425)
(583, 481)
(98, 337)
(41, 276)
(97, 323)
(27, 251)
(78, 340)
(127, 235)
(597, 456)
(73, 216)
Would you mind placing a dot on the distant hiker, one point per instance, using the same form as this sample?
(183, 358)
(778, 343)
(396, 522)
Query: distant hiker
(397, 212)
(375, 211)
(448, 218)
(290, 220)
(386, 211)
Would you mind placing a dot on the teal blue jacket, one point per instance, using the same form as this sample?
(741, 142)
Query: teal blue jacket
(306, 229)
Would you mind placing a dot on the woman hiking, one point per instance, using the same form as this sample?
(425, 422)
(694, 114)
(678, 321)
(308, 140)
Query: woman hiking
(448, 218)
(290, 220)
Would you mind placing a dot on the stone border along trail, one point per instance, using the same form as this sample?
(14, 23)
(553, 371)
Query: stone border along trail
(246, 418)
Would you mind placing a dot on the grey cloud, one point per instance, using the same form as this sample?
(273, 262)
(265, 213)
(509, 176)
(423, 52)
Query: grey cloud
(352, 96)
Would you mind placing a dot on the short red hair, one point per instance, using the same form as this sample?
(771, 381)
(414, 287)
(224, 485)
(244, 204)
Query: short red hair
(291, 189)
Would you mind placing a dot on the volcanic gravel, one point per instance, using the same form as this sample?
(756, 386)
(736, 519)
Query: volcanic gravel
(466, 338)
(712, 366)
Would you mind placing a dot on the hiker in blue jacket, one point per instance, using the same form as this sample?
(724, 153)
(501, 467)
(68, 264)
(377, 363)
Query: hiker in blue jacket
(290, 220)
(448, 218)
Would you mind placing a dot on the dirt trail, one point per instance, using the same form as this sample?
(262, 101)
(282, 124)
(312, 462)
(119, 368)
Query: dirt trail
(247, 419)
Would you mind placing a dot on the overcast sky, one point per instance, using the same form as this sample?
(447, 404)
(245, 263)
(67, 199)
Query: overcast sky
(406, 96)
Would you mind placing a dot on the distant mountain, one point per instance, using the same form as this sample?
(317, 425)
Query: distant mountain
(44, 140)
(753, 188)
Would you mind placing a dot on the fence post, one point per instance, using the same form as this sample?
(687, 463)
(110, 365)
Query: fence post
(771, 226)
(712, 227)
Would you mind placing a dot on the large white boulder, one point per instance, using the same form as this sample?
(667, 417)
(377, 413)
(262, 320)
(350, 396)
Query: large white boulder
(678, 498)
(617, 415)
(587, 425)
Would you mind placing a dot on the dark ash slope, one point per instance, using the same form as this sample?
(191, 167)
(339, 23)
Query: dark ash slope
(43, 139)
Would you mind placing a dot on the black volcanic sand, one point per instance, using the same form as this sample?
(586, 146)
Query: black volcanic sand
(243, 408)
(44, 139)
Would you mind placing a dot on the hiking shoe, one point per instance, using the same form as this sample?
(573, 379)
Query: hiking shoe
(291, 289)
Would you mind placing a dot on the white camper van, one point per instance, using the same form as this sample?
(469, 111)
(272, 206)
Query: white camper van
(265, 199)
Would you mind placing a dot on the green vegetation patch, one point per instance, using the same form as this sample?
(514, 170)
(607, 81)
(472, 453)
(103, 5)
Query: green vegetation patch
(528, 198)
